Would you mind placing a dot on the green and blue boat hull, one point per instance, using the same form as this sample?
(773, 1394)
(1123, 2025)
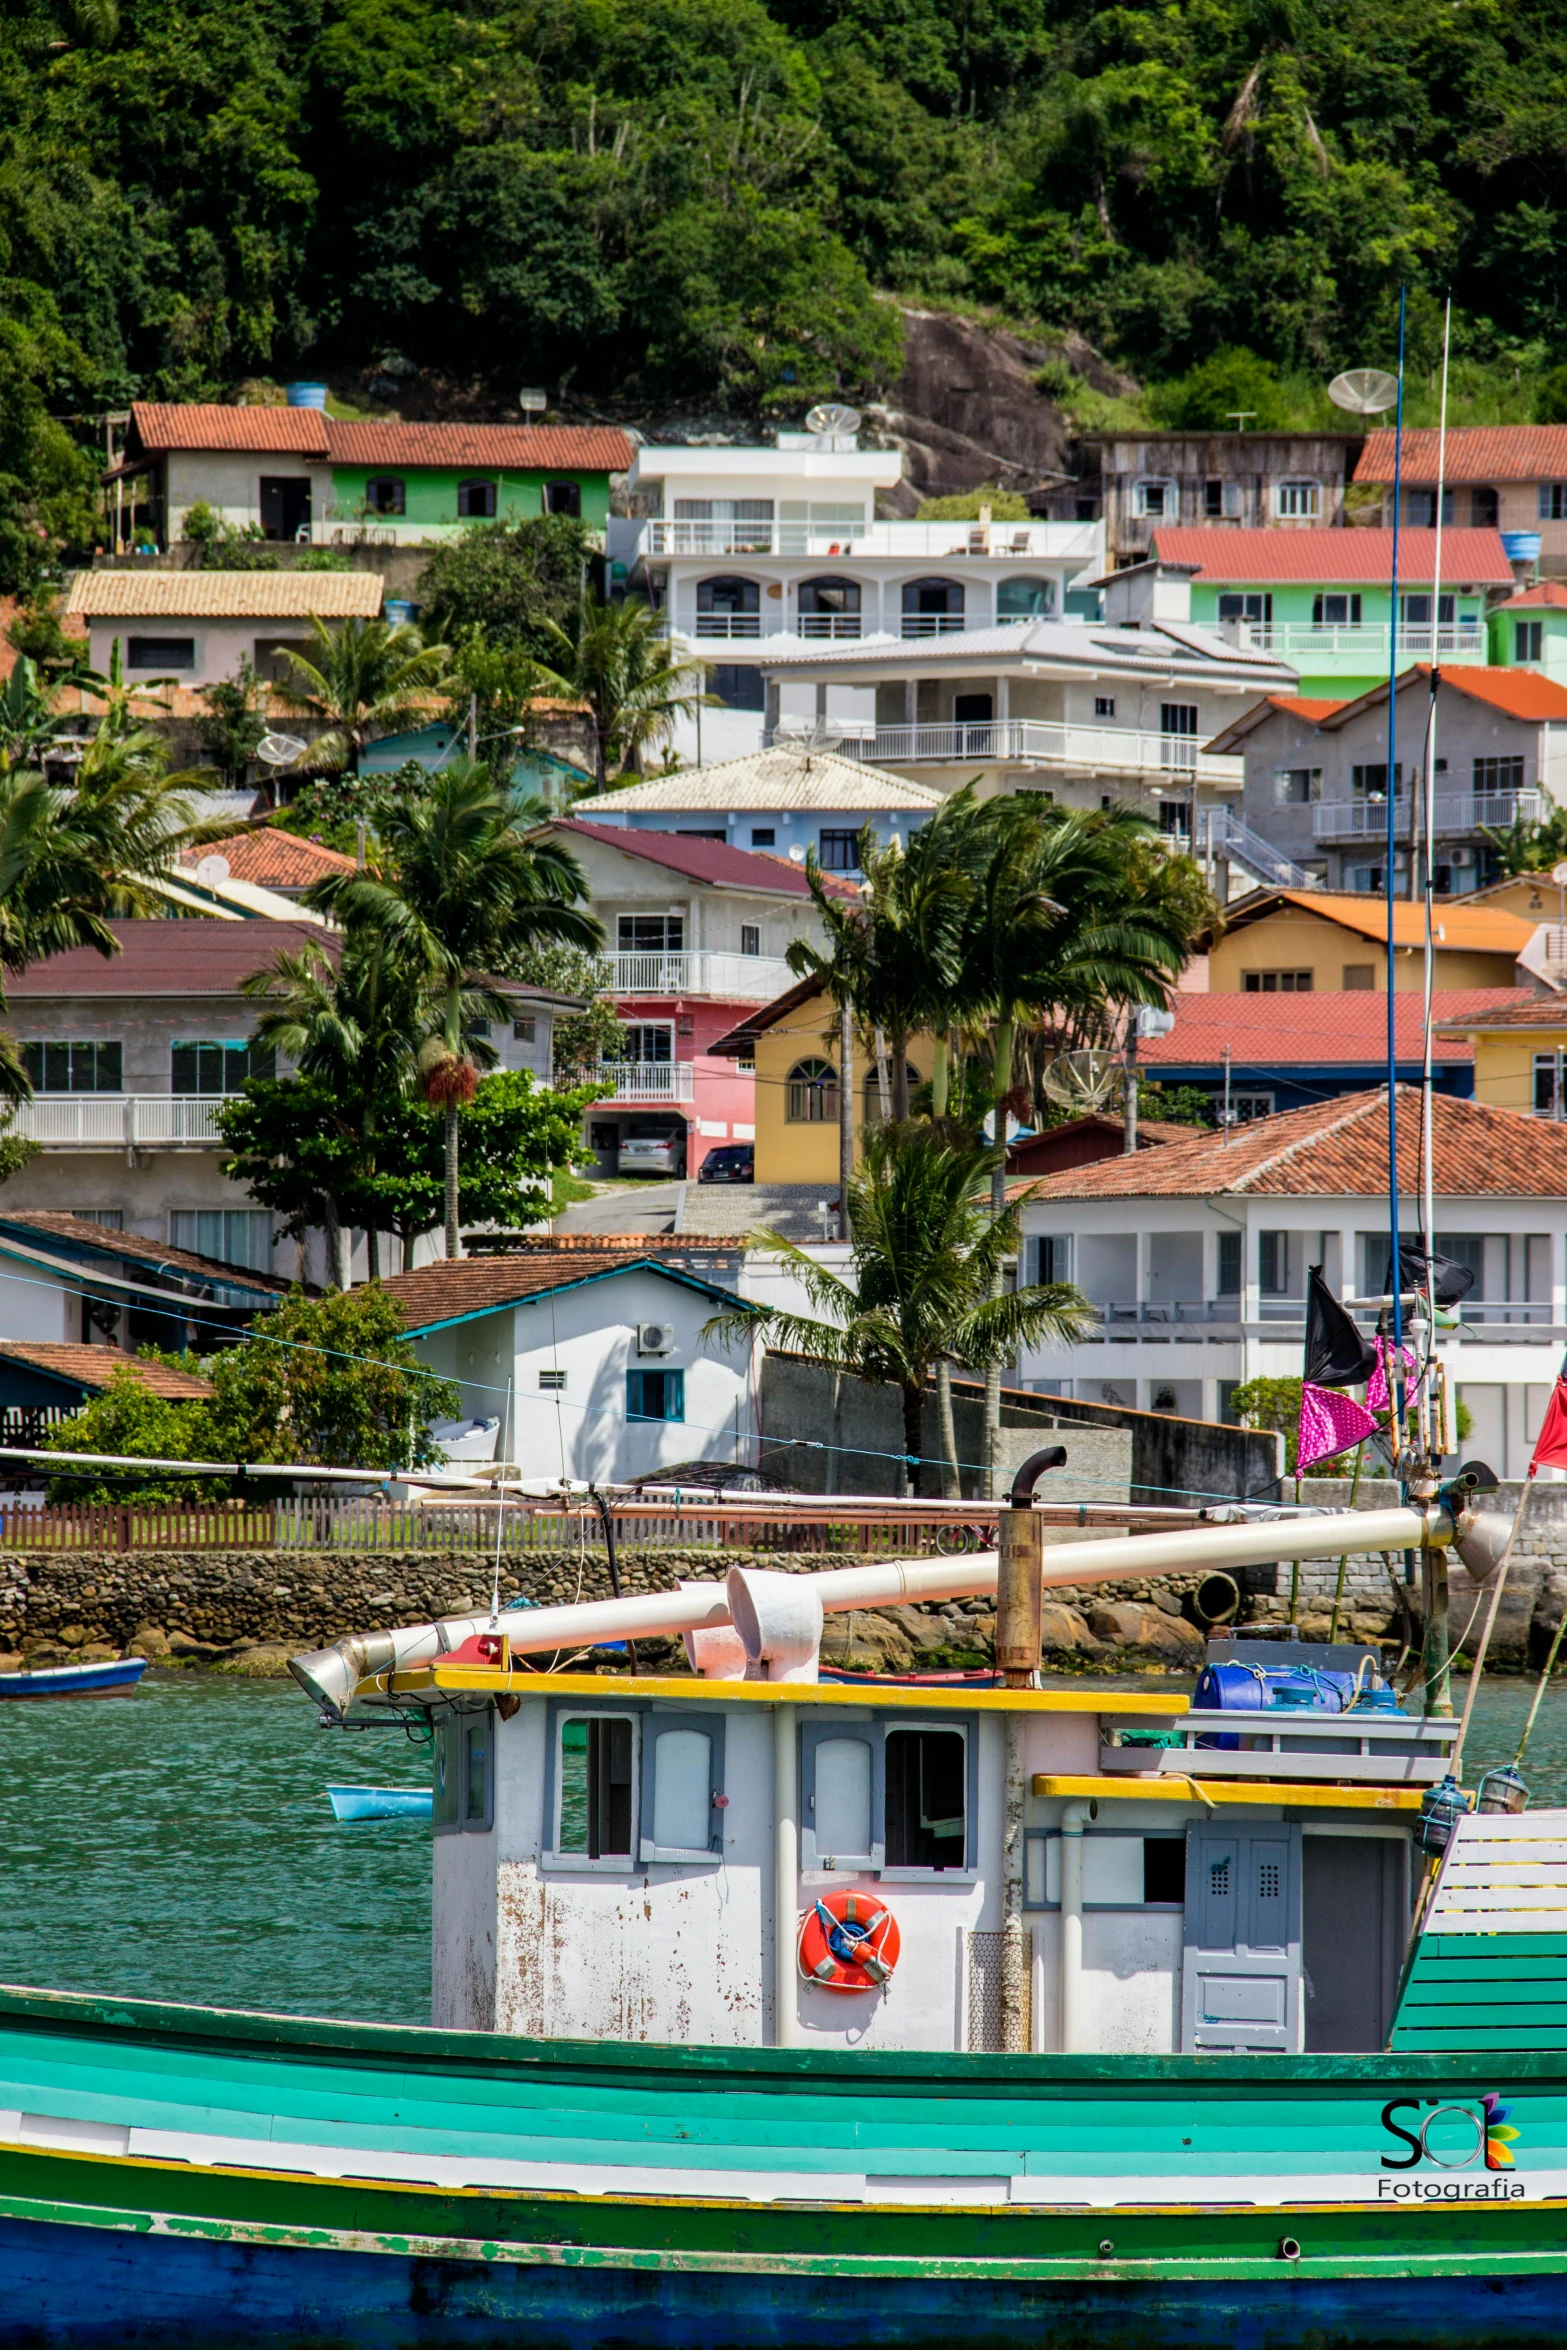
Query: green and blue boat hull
(173, 2175)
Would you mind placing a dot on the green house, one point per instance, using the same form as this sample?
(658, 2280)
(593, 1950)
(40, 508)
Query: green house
(1529, 631)
(1322, 600)
(431, 480)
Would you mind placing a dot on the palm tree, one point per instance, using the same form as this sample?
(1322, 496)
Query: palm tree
(29, 723)
(926, 1255)
(616, 658)
(363, 678)
(470, 880)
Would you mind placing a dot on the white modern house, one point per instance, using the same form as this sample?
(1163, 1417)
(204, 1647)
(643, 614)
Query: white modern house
(783, 801)
(593, 1362)
(781, 545)
(1122, 708)
(1195, 1257)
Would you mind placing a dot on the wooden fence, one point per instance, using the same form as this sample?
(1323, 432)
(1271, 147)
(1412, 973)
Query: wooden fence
(355, 1522)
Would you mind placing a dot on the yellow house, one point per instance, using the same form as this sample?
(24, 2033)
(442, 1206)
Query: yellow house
(1520, 1055)
(1301, 941)
(1534, 897)
(794, 1043)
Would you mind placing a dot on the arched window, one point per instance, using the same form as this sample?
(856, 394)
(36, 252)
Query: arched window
(829, 607)
(813, 1093)
(476, 501)
(873, 1089)
(1025, 599)
(932, 607)
(728, 607)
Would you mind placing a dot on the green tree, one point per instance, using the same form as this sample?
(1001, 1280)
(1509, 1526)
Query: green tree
(363, 678)
(923, 1282)
(469, 880)
(1522, 847)
(1271, 1403)
(1230, 391)
(964, 506)
(30, 723)
(47, 483)
(581, 1041)
(617, 659)
(235, 722)
(503, 583)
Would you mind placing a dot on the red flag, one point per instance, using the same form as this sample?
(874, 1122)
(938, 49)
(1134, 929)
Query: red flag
(1550, 1446)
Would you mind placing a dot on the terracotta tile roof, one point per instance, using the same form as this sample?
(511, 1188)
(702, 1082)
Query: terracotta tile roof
(1479, 930)
(1517, 693)
(311, 433)
(1233, 736)
(448, 1291)
(226, 595)
(711, 861)
(95, 1366)
(513, 448)
(1475, 452)
(1329, 556)
(1545, 595)
(1325, 1030)
(1338, 1150)
(166, 959)
(132, 1247)
(294, 432)
(1546, 1012)
(272, 859)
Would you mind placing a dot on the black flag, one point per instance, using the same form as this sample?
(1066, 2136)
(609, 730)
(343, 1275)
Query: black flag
(1336, 1353)
(1452, 1280)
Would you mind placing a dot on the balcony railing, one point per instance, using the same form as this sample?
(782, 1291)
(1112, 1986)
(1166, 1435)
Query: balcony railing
(647, 1081)
(750, 979)
(1120, 1316)
(1300, 643)
(1042, 541)
(931, 624)
(119, 1121)
(1089, 750)
(1456, 812)
(1280, 1317)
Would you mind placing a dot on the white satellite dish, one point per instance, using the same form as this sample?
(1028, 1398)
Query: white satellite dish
(1082, 1080)
(833, 416)
(1364, 391)
(211, 870)
(281, 750)
(1559, 874)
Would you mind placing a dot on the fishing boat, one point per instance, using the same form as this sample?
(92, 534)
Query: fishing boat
(766, 2004)
(104, 1677)
(380, 1803)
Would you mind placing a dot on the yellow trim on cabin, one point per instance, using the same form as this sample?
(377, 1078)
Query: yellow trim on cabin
(1168, 1787)
(486, 1678)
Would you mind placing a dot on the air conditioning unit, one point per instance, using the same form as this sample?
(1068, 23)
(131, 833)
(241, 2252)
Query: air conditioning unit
(655, 1338)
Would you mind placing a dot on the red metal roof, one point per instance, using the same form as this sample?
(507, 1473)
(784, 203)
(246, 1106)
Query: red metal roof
(711, 861)
(1357, 557)
(1298, 1031)
(1475, 452)
(168, 959)
(310, 432)
(1338, 1149)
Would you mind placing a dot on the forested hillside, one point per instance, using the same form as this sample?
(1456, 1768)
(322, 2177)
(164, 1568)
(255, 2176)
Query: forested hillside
(640, 199)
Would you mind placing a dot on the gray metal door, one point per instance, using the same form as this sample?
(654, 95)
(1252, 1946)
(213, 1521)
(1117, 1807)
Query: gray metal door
(1240, 1980)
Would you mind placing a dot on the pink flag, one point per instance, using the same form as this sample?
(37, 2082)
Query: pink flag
(1329, 1422)
(1377, 1397)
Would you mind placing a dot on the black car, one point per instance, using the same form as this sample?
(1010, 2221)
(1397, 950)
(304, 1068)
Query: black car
(735, 1162)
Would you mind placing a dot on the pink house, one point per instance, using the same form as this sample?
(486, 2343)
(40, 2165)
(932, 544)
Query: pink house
(697, 935)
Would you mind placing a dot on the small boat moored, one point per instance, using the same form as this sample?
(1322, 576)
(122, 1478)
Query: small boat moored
(104, 1677)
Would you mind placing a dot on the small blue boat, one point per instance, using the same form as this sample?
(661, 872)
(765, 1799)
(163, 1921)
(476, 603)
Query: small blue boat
(107, 1677)
(380, 1803)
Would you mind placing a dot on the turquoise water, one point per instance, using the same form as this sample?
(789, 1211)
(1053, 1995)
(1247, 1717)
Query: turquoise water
(178, 1844)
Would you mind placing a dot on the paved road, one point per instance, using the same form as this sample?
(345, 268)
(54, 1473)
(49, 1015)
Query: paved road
(641, 1207)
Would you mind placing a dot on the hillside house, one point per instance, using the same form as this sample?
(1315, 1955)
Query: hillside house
(1321, 601)
(300, 475)
(1529, 631)
(1239, 481)
(1195, 1256)
(1321, 942)
(1506, 477)
(196, 627)
(786, 801)
(76, 1283)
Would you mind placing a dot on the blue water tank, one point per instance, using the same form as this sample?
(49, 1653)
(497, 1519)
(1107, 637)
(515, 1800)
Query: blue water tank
(397, 610)
(1521, 546)
(314, 396)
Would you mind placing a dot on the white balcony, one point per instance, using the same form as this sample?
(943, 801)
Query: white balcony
(1072, 542)
(647, 1081)
(1354, 650)
(746, 979)
(1038, 742)
(1456, 813)
(120, 1121)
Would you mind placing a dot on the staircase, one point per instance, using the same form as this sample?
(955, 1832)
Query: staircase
(1223, 837)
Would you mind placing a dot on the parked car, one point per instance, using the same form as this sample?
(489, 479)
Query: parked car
(651, 1154)
(734, 1162)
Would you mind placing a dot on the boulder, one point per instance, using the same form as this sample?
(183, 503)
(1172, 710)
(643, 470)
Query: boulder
(1134, 1624)
(260, 1663)
(1065, 1629)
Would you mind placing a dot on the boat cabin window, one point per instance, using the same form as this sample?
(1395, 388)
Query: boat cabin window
(464, 1793)
(682, 1787)
(595, 1783)
(878, 1795)
(1119, 1871)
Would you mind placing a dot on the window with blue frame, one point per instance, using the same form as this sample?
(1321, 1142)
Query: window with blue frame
(655, 1395)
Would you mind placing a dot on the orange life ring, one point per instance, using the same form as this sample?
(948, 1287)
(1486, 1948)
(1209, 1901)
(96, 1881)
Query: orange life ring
(848, 1942)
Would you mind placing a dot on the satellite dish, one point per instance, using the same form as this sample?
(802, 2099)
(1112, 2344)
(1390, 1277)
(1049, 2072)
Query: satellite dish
(281, 750)
(797, 853)
(1365, 391)
(1559, 874)
(1081, 1081)
(211, 870)
(833, 416)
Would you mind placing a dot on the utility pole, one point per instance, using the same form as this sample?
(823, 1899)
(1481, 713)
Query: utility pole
(1129, 1097)
(845, 1114)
